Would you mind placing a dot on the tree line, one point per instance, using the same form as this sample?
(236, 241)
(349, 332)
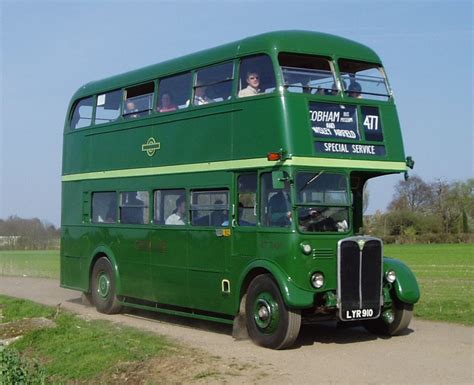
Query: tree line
(427, 212)
(23, 234)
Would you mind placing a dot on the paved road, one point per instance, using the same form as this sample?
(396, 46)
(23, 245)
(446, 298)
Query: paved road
(430, 353)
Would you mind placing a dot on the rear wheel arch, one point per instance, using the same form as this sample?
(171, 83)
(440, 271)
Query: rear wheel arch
(104, 287)
(107, 253)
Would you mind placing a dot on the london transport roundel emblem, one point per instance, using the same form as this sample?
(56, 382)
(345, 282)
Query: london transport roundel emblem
(151, 146)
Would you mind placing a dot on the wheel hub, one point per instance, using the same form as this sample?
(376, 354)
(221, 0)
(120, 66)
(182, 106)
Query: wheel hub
(266, 313)
(264, 310)
(104, 285)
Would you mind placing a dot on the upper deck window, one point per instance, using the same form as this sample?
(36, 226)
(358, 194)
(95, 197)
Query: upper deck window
(108, 107)
(213, 84)
(82, 116)
(308, 74)
(363, 80)
(174, 92)
(138, 100)
(256, 76)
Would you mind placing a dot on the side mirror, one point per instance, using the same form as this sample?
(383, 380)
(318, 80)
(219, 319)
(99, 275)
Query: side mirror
(278, 179)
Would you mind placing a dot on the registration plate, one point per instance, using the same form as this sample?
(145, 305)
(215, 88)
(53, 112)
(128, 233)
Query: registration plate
(355, 314)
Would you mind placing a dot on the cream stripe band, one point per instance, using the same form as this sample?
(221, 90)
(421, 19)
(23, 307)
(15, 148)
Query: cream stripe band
(238, 164)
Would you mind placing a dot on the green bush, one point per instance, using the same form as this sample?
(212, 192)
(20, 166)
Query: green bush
(18, 371)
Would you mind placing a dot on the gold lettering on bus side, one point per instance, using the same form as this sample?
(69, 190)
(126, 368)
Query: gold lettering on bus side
(151, 146)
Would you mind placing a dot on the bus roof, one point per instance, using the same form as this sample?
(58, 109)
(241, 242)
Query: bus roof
(279, 41)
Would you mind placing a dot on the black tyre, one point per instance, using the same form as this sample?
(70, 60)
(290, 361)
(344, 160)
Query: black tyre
(403, 313)
(269, 321)
(103, 287)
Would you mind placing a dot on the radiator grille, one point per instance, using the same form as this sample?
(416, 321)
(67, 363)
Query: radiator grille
(359, 278)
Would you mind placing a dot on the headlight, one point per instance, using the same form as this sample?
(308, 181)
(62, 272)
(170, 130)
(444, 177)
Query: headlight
(390, 276)
(306, 249)
(317, 280)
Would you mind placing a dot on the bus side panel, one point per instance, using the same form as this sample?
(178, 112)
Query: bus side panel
(74, 259)
(75, 246)
(208, 260)
(130, 247)
(258, 129)
(168, 265)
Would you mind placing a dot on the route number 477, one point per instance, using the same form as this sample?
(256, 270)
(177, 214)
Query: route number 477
(371, 122)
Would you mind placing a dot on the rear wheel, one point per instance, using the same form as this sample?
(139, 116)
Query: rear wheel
(104, 287)
(402, 315)
(269, 321)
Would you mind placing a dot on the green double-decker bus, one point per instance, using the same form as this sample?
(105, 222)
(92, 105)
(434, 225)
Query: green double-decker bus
(227, 185)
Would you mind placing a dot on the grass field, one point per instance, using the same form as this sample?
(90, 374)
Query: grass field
(79, 349)
(445, 273)
(37, 263)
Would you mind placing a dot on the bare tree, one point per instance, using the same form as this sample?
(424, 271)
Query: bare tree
(413, 195)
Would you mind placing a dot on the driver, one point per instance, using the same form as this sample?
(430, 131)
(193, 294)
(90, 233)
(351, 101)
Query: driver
(314, 220)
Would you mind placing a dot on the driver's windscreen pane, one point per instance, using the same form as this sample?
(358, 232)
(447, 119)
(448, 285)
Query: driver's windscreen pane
(321, 188)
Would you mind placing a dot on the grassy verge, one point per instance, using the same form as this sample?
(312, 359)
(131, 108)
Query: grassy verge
(80, 350)
(445, 274)
(33, 263)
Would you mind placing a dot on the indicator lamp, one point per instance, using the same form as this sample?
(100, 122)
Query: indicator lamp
(273, 156)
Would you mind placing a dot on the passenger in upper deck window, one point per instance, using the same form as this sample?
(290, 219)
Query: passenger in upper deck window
(354, 90)
(253, 82)
(167, 104)
(200, 96)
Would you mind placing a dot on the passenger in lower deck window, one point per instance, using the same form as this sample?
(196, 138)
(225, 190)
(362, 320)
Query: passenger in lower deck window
(253, 84)
(178, 216)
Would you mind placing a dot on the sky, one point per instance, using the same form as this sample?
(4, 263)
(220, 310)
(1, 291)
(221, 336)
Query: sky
(48, 49)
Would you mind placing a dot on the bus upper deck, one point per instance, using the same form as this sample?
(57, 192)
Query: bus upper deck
(325, 104)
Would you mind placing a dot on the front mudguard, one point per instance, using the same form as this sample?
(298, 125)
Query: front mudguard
(293, 295)
(406, 285)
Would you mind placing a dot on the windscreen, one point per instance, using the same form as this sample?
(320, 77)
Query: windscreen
(363, 80)
(307, 74)
(322, 201)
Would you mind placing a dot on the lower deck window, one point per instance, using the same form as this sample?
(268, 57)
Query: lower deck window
(134, 207)
(104, 207)
(170, 207)
(210, 208)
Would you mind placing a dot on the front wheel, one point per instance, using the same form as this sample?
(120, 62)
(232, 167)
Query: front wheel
(103, 287)
(402, 315)
(269, 321)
